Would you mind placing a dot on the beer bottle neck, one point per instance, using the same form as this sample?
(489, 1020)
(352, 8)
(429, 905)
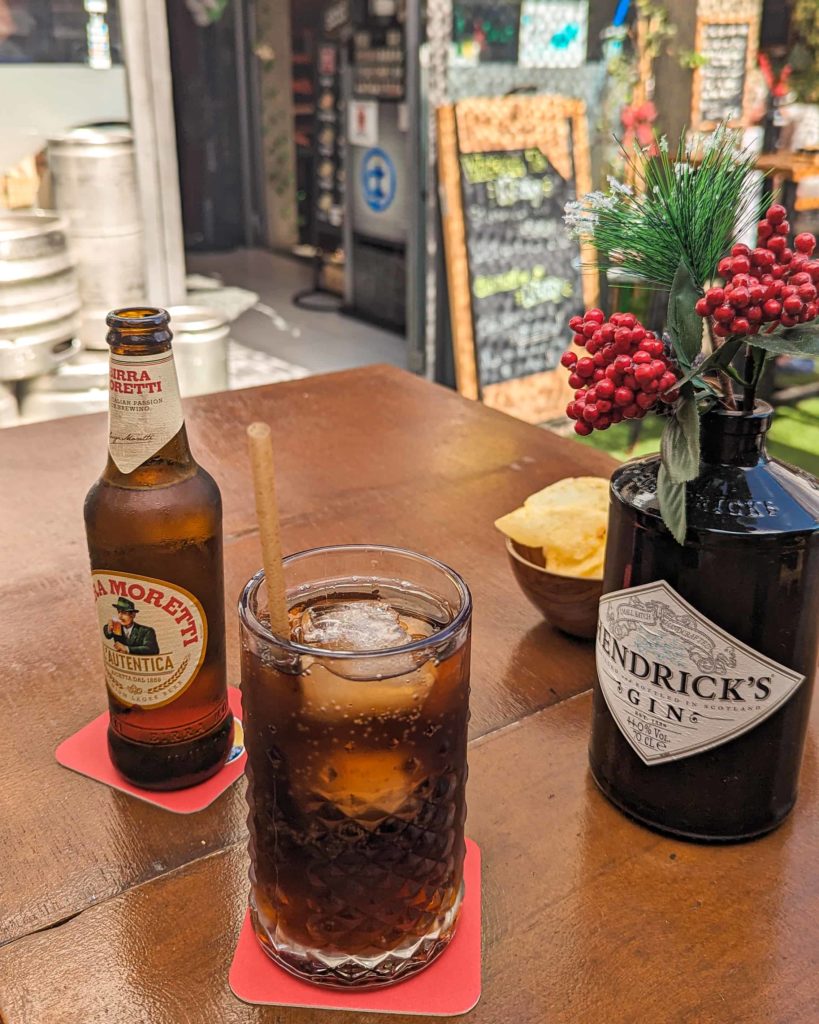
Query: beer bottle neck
(147, 440)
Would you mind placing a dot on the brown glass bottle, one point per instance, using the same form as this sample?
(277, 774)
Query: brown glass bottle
(750, 565)
(154, 528)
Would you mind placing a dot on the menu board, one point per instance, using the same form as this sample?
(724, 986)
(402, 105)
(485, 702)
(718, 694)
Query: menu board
(720, 83)
(508, 166)
(524, 270)
(328, 178)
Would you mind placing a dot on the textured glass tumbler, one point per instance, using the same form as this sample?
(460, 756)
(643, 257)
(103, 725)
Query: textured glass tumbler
(356, 732)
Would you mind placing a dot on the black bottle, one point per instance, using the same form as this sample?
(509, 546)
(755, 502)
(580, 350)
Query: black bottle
(706, 652)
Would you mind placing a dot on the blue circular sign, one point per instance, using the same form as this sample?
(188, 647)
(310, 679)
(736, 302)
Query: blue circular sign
(378, 180)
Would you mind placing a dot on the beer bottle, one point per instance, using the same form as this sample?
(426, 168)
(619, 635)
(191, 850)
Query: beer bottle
(154, 528)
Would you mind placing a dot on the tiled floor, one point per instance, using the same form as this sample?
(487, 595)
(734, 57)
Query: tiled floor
(318, 341)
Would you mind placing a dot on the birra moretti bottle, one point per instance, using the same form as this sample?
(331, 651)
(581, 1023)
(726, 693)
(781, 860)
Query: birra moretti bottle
(154, 528)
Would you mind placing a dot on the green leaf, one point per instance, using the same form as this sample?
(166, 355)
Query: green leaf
(703, 390)
(680, 444)
(684, 325)
(672, 505)
(736, 376)
(718, 359)
(795, 341)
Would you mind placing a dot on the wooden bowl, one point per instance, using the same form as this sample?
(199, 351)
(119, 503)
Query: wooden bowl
(566, 602)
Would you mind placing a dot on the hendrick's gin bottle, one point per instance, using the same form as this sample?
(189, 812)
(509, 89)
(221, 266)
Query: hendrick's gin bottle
(706, 652)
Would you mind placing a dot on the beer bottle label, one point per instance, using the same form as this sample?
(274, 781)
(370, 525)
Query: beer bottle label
(675, 682)
(144, 407)
(154, 636)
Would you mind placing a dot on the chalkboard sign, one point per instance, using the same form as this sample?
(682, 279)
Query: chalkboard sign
(721, 84)
(524, 270)
(508, 166)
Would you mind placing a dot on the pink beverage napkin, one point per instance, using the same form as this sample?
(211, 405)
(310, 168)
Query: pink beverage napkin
(86, 752)
(451, 985)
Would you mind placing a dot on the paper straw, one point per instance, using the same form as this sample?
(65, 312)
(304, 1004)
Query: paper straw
(267, 512)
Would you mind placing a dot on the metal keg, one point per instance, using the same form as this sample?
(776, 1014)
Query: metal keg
(94, 185)
(200, 347)
(39, 299)
(94, 179)
(78, 387)
(111, 275)
(31, 353)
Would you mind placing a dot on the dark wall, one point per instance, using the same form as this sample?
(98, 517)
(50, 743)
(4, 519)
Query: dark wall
(206, 107)
(775, 29)
(672, 95)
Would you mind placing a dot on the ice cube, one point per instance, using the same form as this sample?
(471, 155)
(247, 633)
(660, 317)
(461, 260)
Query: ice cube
(329, 693)
(352, 626)
(362, 784)
(360, 626)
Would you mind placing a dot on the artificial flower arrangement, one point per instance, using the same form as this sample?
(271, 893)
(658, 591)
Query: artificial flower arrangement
(677, 230)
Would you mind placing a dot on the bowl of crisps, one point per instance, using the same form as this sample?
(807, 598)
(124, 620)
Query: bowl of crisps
(556, 544)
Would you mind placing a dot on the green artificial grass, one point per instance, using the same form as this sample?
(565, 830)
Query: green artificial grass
(794, 436)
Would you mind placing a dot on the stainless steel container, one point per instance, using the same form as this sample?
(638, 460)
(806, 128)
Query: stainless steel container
(94, 179)
(111, 275)
(33, 353)
(94, 183)
(200, 346)
(77, 387)
(31, 235)
(39, 298)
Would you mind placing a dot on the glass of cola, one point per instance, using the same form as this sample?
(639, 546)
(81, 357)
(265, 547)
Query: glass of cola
(356, 733)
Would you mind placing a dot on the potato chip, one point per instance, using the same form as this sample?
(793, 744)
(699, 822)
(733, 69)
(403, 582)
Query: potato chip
(577, 530)
(572, 490)
(590, 568)
(568, 520)
(522, 527)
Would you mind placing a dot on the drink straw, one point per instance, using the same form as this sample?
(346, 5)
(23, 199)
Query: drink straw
(267, 512)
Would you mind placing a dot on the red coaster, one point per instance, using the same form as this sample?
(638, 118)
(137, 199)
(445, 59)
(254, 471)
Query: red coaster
(449, 986)
(86, 752)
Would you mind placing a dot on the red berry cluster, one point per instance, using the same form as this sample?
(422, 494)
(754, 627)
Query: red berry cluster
(625, 373)
(770, 284)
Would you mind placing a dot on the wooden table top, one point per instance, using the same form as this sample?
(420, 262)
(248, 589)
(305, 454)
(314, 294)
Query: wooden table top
(796, 166)
(116, 911)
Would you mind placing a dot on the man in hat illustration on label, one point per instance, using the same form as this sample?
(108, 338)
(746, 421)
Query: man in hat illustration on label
(130, 637)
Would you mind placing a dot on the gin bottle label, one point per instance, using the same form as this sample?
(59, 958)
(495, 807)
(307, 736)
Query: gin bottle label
(675, 682)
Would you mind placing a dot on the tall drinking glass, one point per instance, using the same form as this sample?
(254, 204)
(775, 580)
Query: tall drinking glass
(356, 731)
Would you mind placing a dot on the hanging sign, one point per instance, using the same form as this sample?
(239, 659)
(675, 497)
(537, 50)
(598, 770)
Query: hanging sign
(721, 85)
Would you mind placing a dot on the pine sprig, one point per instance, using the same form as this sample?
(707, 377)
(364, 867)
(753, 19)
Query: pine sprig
(678, 212)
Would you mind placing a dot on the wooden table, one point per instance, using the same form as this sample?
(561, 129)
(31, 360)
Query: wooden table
(787, 170)
(115, 911)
